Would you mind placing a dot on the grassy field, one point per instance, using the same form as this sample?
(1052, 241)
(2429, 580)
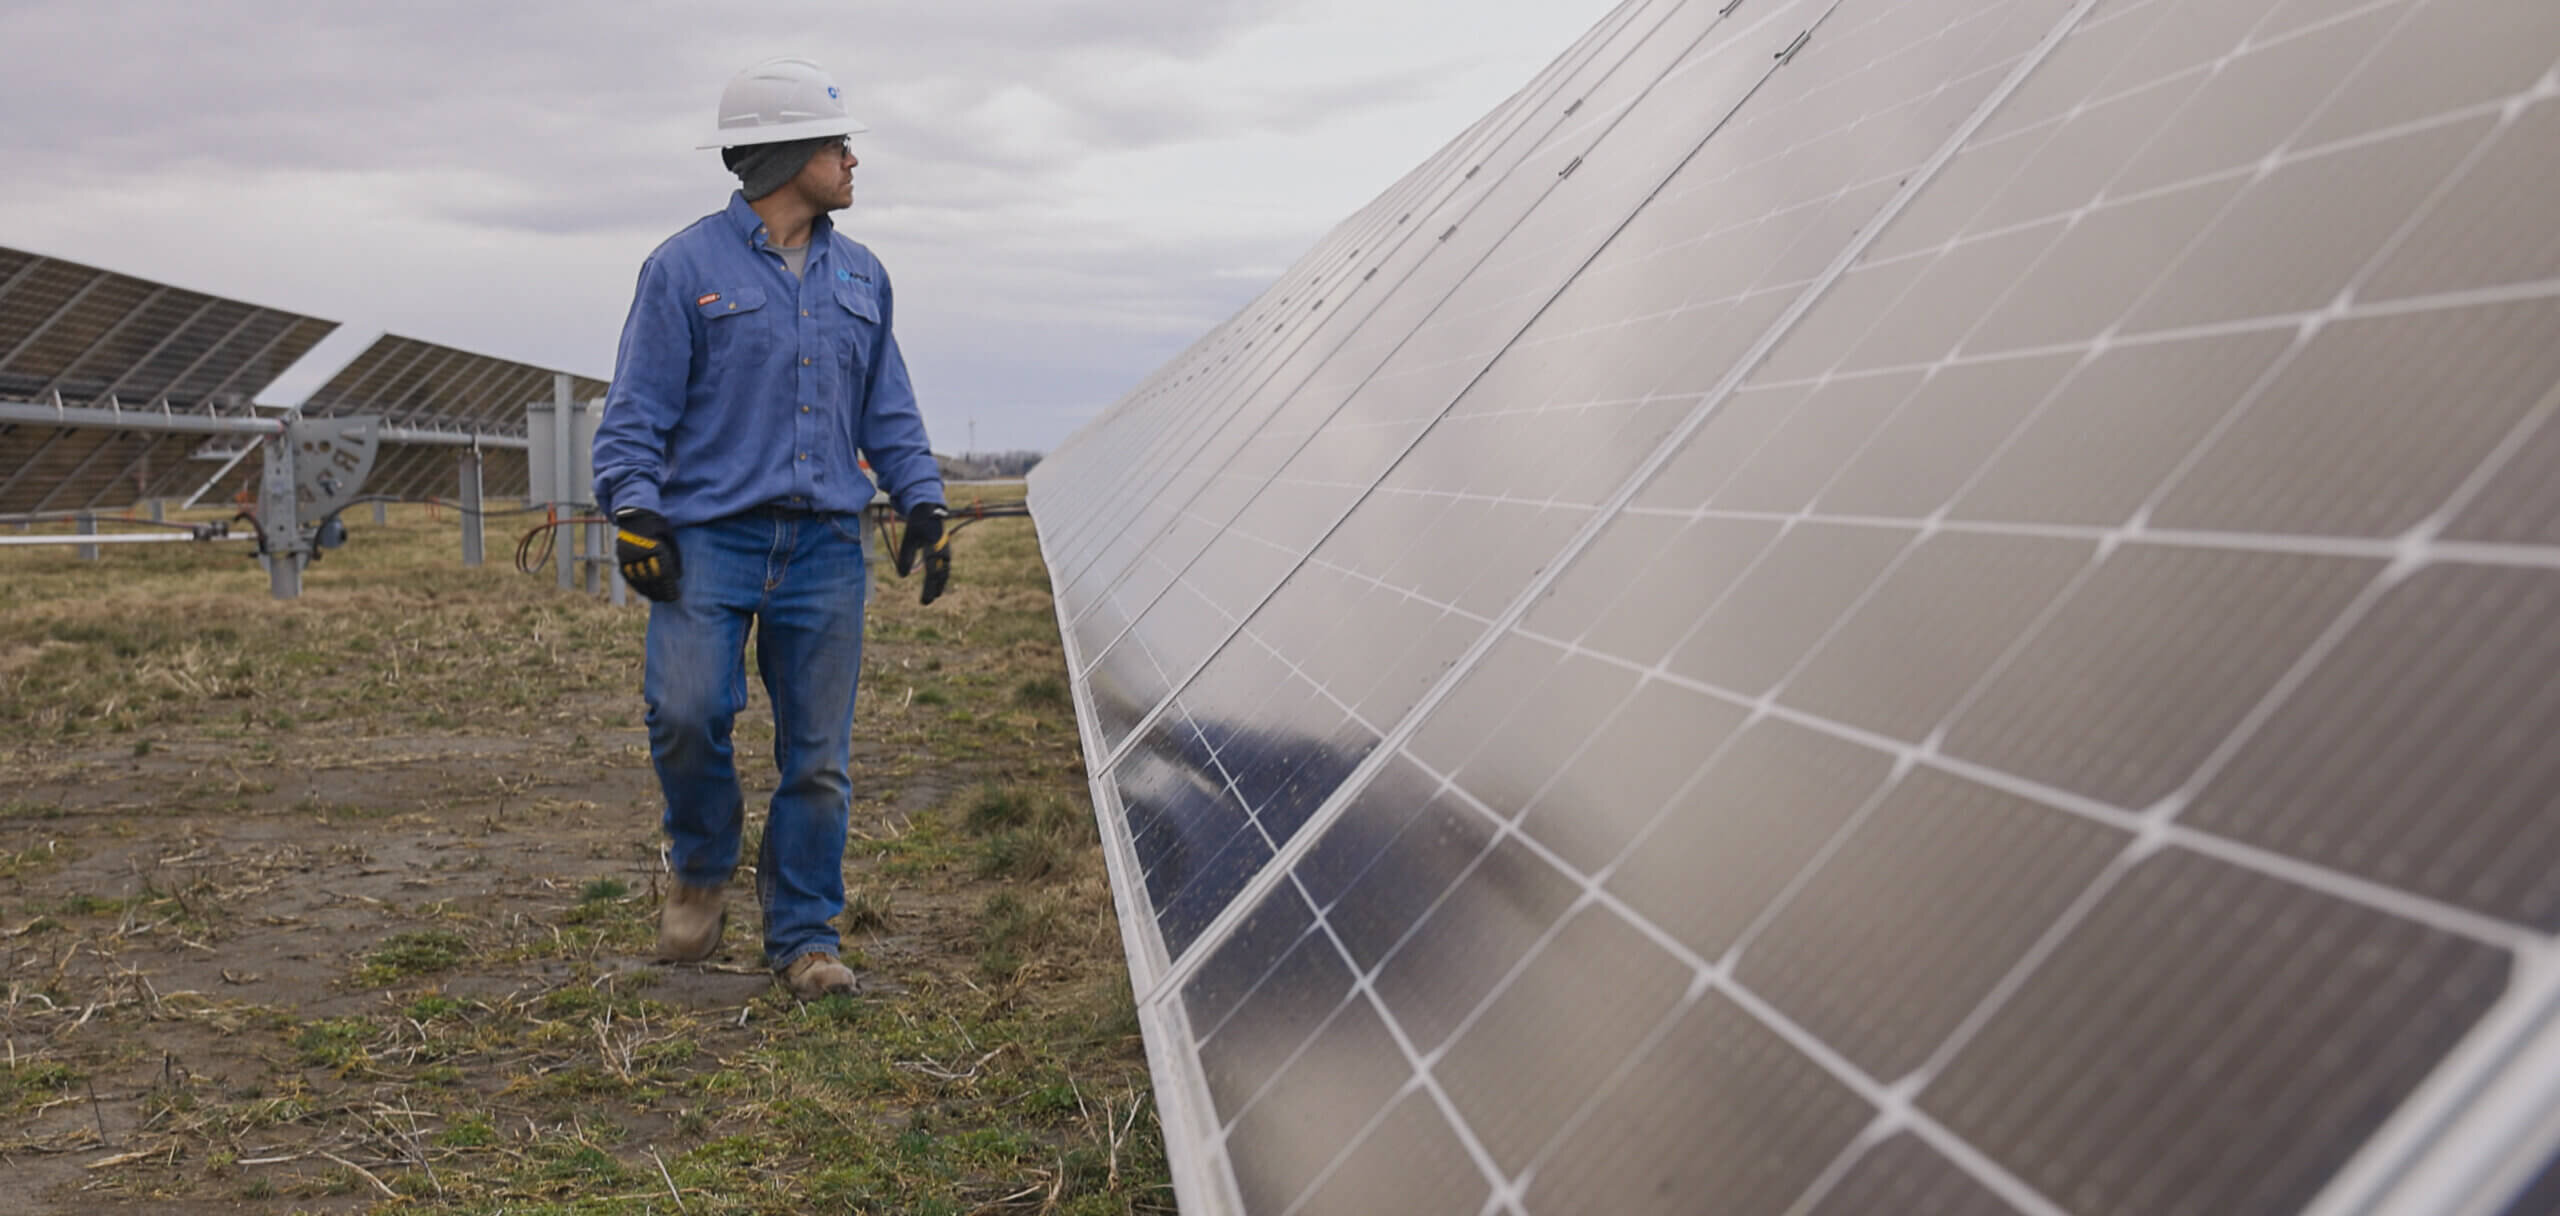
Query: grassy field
(344, 905)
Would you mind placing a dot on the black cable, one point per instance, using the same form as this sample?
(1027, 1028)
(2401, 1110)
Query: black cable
(529, 562)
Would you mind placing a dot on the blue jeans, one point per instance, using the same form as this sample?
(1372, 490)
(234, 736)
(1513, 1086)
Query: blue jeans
(800, 580)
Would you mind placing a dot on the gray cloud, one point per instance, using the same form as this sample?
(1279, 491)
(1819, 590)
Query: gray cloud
(1068, 191)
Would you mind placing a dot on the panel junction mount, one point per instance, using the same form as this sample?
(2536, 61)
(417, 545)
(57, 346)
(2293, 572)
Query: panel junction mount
(315, 468)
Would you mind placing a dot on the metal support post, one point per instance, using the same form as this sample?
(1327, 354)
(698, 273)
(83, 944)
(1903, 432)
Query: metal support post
(596, 544)
(563, 429)
(471, 535)
(379, 515)
(88, 526)
(159, 510)
(279, 520)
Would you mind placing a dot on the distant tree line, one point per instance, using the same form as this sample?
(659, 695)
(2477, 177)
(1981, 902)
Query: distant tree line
(983, 466)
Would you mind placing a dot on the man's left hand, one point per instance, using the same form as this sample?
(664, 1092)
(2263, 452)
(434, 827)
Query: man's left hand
(927, 535)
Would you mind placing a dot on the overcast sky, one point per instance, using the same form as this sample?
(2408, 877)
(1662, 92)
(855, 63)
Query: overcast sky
(1066, 192)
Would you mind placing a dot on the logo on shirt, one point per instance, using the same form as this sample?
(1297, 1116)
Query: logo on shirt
(707, 298)
(844, 276)
(832, 95)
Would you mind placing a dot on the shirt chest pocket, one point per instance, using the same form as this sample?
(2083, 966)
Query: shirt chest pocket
(735, 329)
(857, 328)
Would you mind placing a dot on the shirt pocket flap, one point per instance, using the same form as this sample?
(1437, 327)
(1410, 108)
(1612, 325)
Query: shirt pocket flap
(857, 300)
(727, 303)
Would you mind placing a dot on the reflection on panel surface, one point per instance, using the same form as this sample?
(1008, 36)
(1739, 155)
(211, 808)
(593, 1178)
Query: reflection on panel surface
(1937, 605)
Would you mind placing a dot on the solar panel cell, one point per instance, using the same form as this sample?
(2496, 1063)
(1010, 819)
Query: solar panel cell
(1643, 751)
(1410, 1163)
(1304, 988)
(2237, 110)
(2095, 452)
(1717, 857)
(1932, 629)
(2149, 663)
(1470, 941)
(1242, 961)
(2305, 230)
(2430, 724)
(2374, 424)
(1327, 1095)
(1903, 1175)
(1535, 1052)
(2443, 57)
(2210, 1039)
(1940, 436)
(2486, 230)
(1759, 1122)
(1404, 879)
(1904, 927)
(1757, 632)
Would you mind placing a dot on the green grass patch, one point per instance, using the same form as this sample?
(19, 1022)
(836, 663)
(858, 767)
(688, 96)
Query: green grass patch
(405, 955)
(336, 1043)
(1042, 692)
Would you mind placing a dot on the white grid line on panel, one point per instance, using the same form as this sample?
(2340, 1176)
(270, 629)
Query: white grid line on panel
(1454, 289)
(1181, 970)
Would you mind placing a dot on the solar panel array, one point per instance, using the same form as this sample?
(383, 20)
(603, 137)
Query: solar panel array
(84, 337)
(407, 382)
(1866, 605)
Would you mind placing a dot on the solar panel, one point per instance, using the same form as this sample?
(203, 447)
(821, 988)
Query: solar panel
(79, 336)
(1890, 605)
(413, 383)
(87, 334)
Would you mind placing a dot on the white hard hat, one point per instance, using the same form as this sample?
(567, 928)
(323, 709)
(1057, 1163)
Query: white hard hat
(779, 100)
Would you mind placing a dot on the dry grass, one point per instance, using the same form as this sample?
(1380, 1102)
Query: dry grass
(342, 905)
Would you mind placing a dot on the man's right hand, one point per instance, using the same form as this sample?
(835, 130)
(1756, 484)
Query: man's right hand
(645, 545)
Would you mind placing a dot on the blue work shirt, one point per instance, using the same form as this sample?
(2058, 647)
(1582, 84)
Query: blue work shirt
(739, 386)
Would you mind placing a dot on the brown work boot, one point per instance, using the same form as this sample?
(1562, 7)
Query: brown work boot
(817, 974)
(689, 925)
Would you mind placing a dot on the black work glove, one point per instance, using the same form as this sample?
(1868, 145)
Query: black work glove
(645, 545)
(925, 534)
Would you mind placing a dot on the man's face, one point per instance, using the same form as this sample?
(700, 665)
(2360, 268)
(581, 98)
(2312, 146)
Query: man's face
(827, 180)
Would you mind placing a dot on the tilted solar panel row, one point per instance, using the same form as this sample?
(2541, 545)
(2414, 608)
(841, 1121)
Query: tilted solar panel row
(88, 335)
(1879, 605)
(82, 338)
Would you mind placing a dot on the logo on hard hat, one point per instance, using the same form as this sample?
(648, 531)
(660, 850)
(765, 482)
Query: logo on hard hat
(833, 95)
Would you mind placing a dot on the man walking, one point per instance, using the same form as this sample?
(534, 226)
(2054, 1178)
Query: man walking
(756, 368)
